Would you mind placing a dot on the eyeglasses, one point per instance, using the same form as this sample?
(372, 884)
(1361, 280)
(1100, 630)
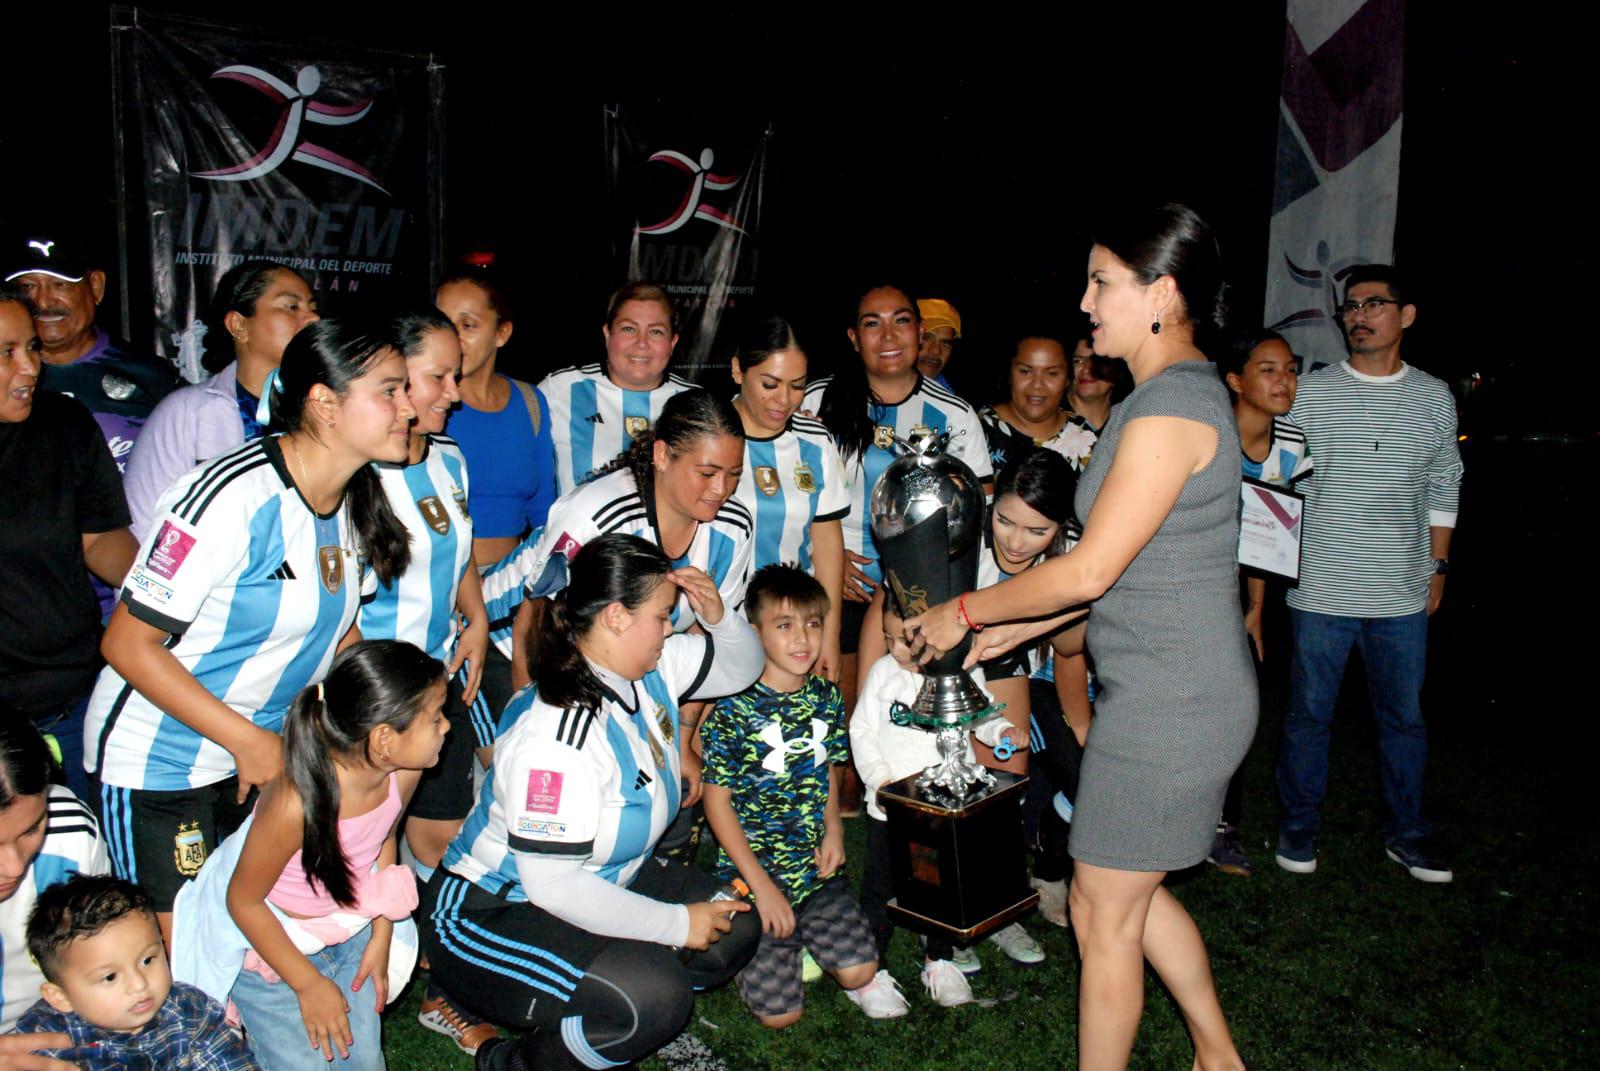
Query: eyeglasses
(1371, 306)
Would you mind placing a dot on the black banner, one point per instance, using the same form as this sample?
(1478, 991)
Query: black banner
(240, 144)
(686, 197)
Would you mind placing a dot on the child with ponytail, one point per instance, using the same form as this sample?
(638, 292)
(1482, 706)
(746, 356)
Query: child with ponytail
(310, 882)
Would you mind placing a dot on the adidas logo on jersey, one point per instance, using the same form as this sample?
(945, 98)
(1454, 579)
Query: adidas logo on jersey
(283, 572)
(595, 418)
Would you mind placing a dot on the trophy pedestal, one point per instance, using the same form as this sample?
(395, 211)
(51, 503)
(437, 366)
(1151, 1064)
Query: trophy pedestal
(958, 872)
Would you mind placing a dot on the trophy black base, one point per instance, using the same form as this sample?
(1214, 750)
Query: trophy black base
(958, 873)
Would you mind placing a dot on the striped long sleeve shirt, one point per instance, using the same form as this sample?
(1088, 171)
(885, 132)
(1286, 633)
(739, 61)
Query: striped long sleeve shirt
(1387, 470)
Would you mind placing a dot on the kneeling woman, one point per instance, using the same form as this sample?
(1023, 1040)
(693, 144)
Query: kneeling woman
(550, 913)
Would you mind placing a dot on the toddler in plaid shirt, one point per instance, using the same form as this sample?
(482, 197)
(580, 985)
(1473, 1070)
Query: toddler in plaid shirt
(108, 987)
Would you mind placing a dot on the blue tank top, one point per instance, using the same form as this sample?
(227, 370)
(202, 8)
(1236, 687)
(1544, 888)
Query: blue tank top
(513, 470)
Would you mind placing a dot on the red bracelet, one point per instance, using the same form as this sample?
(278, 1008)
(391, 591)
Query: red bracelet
(961, 612)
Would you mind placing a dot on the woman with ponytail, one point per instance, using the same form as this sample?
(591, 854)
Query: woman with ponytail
(310, 882)
(247, 583)
(1157, 559)
(551, 913)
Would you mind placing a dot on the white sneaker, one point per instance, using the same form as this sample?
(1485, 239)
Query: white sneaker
(946, 984)
(880, 998)
(1052, 901)
(1015, 943)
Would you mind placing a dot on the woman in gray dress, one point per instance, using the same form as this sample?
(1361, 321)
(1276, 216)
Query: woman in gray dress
(1157, 561)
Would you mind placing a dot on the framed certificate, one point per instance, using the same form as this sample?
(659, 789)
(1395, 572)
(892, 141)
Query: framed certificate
(1269, 528)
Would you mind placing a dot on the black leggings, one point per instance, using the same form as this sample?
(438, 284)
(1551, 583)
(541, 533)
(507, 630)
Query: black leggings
(632, 997)
(1056, 764)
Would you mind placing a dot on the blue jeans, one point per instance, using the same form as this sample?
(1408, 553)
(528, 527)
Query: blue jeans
(1395, 650)
(277, 1033)
(66, 726)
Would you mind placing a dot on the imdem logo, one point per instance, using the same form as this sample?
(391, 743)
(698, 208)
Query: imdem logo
(296, 107)
(701, 180)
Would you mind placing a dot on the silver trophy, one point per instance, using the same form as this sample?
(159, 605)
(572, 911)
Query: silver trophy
(927, 520)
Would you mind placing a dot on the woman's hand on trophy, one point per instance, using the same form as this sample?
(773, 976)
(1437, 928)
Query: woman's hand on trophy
(936, 631)
(704, 598)
(995, 640)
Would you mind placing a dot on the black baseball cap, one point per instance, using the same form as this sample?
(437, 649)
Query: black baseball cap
(54, 252)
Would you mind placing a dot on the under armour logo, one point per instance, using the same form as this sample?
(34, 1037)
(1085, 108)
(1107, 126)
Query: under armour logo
(595, 418)
(43, 247)
(778, 758)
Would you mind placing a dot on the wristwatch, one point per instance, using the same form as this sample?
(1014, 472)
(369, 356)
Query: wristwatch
(1441, 567)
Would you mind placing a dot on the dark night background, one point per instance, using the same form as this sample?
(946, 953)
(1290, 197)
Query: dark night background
(967, 159)
(970, 159)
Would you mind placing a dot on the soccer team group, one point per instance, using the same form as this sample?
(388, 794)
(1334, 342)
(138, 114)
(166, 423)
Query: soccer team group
(367, 659)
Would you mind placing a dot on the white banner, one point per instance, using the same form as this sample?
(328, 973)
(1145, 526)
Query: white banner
(1338, 165)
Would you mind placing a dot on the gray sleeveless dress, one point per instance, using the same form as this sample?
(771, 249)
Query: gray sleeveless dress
(1178, 709)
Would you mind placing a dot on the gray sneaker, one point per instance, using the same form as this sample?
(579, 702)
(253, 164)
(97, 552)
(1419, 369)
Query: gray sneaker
(1297, 851)
(1417, 855)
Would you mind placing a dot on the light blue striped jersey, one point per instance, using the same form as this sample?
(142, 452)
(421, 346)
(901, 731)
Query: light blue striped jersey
(597, 785)
(256, 591)
(593, 420)
(791, 481)
(929, 408)
(72, 845)
(1287, 458)
(430, 498)
(721, 548)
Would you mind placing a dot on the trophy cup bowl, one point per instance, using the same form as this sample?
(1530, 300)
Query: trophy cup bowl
(927, 520)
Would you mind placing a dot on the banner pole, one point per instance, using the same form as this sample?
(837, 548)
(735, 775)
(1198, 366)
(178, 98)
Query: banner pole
(120, 175)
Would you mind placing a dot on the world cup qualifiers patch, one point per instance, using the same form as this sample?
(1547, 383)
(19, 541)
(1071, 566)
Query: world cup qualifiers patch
(568, 547)
(544, 792)
(171, 547)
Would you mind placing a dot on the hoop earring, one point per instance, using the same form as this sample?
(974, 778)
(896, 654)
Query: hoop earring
(1155, 325)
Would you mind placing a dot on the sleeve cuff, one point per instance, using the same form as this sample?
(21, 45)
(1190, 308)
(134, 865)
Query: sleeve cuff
(834, 516)
(155, 618)
(1440, 518)
(583, 849)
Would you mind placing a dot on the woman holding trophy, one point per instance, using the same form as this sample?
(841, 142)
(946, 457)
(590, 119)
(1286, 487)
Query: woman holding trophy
(1157, 562)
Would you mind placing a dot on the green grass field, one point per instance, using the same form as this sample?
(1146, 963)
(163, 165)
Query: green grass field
(1356, 966)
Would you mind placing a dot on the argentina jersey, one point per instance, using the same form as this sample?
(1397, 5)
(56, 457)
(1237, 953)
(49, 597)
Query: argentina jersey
(593, 420)
(596, 785)
(790, 482)
(928, 409)
(72, 845)
(721, 548)
(256, 591)
(430, 498)
(1287, 460)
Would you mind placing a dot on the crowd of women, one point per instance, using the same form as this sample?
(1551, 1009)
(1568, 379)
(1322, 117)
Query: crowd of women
(358, 542)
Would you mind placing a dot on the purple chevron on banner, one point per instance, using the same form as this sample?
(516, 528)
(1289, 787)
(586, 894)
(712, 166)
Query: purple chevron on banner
(1346, 94)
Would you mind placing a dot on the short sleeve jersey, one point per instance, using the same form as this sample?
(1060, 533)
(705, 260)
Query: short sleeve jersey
(928, 409)
(430, 498)
(593, 420)
(512, 459)
(57, 481)
(1287, 460)
(721, 547)
(791, 481)
(116, 383)
(72, 845)
(256, 590)
(599, 785)
(771, 750)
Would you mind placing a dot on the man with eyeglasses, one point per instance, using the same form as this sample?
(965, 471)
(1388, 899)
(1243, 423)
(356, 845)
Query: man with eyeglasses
(1375, 550)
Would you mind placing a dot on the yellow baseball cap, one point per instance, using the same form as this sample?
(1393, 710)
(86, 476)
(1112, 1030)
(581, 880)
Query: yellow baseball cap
(937, 312)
